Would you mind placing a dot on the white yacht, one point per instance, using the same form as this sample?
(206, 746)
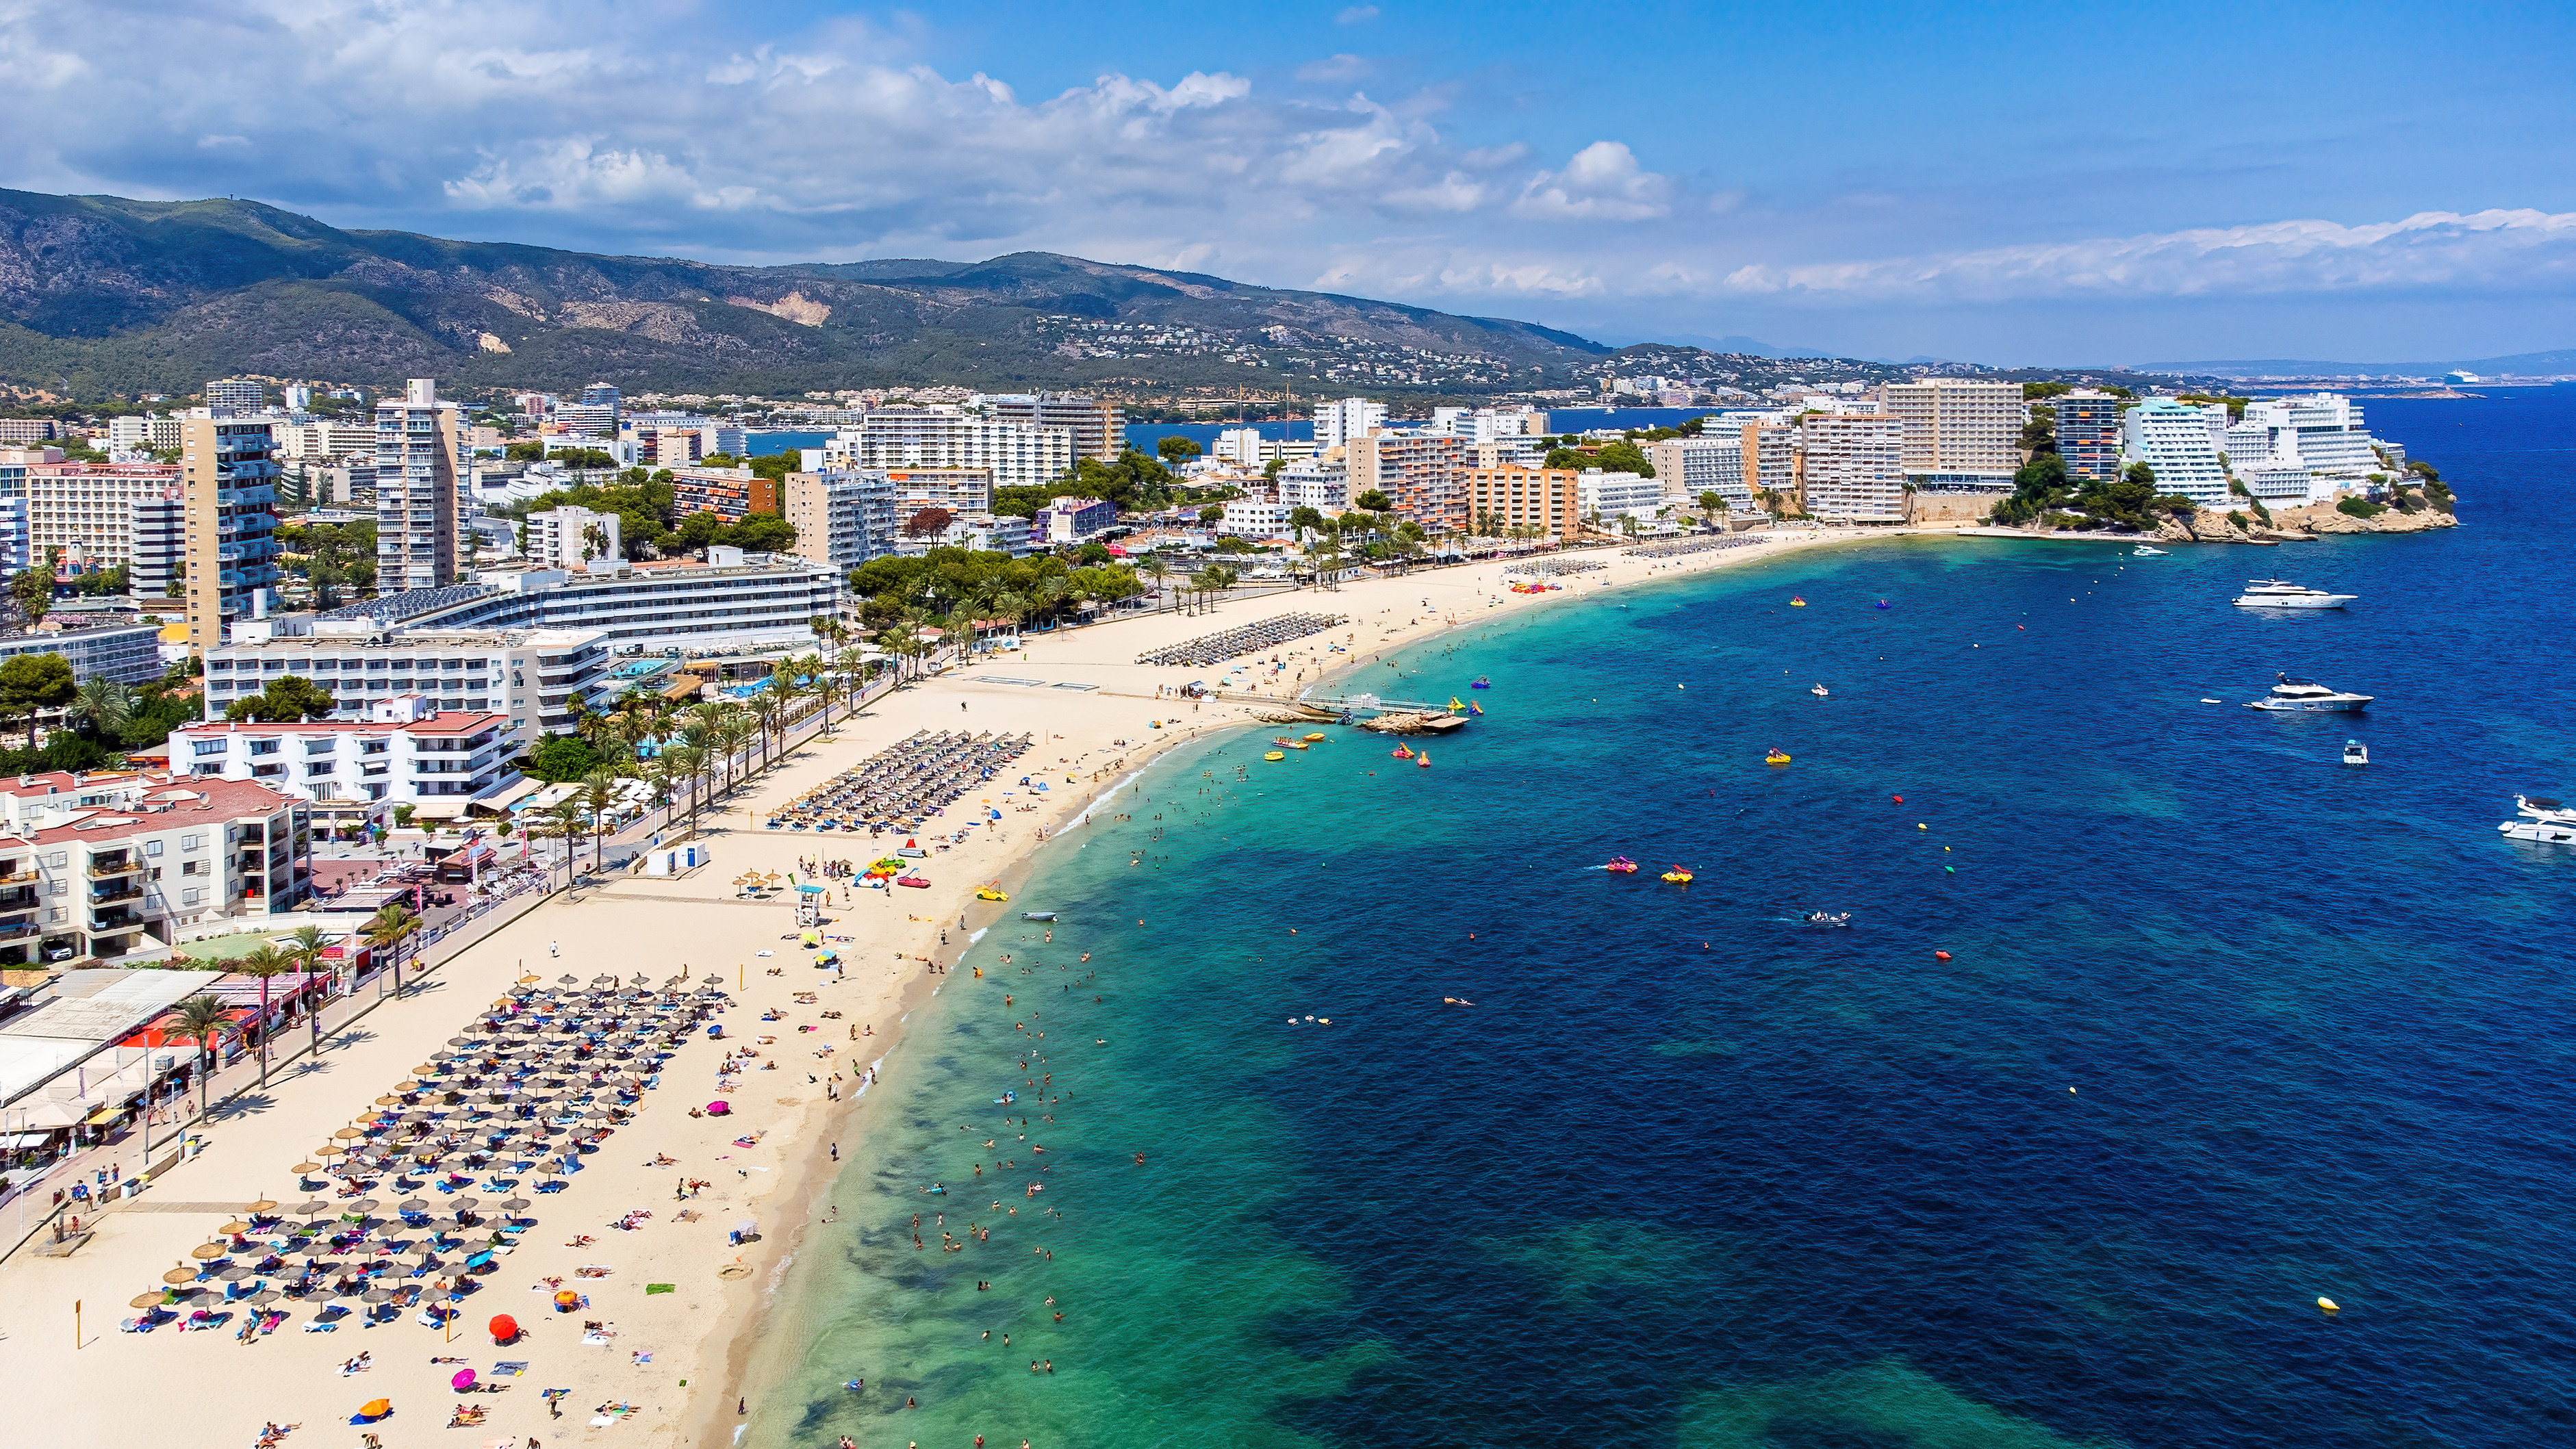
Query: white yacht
(1819, 691)
(2306, 695)
(2282, 594)
(2545, 820)
(2142, 551)
(2355, 753)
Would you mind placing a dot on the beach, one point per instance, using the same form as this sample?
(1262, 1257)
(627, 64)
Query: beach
(678, 1357)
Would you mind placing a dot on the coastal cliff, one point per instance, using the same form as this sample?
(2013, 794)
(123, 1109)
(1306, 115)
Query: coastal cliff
(2295, 525)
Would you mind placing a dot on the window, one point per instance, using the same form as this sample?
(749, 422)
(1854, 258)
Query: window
(191, 896)
(263, 747)
(324, 768)
(206, 747)
(192, 842)
(152, 847)
(192, 867)
(56, 859)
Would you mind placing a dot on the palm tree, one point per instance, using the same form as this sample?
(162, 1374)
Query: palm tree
(201, 1019)
(658, 776)
(852, 666)
(309, 946)
(769, 709)
(598, 795)
(735, 731)
(103, 705)
(564, 821)
(687, 762)
(264, 961)
(386, 930)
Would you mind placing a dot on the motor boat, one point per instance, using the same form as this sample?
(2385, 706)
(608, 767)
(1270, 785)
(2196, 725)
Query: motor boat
(2282, 594)
(1037, 915)
(2143, 551)
(1827, 918)
(1819, 692)
(2308, 696)
(2355, 753)
(1621, 865)
(2544, 820)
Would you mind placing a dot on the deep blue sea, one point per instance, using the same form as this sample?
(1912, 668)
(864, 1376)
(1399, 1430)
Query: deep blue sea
(2226, 1026)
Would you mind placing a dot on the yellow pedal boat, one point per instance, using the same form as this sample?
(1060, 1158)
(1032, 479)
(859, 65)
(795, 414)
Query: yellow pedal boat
(1678, 876)
(1775, 758)
(990, 894)
(1316, 737)
(1276, 755)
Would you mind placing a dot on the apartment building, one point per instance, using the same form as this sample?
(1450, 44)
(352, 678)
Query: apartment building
(566, 537)
(102, 866)
(14, 554)
(235, 395)
(1316, 484)
(126, 653)
(1854, 468)
(2320, 433)
(87, 510)
(959, 490)
(228, 474)
(982, 532)
(143, 433)
(2088, 433)
(14, 463)
(420, 479)
(673, 603)
(403, 750)
(156, 545)
(2172, 439)
(1603, 498)
(1689, 467)
(1099, 429)
(1336, 423)
(1961, 434)
(528, 675)
(731, 494)
(1011, 453)
(1072, 520)
(843, 516)
(1421, 473)
(22, 431)
(1255, 516)
(1528, 502)
(323, 439)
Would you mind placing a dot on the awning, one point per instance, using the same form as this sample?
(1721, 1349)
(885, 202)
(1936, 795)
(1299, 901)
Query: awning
(25, 1139)
(439, 809)
(102, 1116)
(503, 800)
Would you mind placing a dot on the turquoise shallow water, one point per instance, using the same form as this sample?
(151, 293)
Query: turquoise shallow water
(1690, 1172)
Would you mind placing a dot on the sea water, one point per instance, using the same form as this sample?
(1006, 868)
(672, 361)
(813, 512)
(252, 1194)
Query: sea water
(2226, 1026)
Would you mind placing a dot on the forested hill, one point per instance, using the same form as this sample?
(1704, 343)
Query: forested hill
(102, 296)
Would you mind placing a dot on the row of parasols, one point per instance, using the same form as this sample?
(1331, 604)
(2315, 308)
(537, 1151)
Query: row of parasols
(542, 1075)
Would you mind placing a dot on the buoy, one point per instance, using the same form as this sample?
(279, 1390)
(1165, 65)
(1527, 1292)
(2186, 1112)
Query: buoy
(1949, 870)
(1919, 825)
(2328, 1305)
(1940, 955)
(1899, 799)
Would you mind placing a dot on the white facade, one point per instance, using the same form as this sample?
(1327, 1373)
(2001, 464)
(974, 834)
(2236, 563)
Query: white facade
(569, 538)
(728, 600)
(106, 864)
(1013, 454)
(1307, 483)
(1855, 468)
(235, 395)
(1486, 425)
(529, 676)
(1255, 517)
(2320, 433)
(1336, 423)
(419, 449)
(87, 509)
(2172, 439)
(1689, 467)
(13, 540)
(404, 752)
(983, 532)
(1612, 496)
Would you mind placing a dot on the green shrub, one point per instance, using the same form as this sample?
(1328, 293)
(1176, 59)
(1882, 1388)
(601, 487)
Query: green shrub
(2361, 508)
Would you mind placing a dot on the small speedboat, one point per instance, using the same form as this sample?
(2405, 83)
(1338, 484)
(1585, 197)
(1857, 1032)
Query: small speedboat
(1274, 754)
(2543, 820)
(2355, 753)
(1621, 865)
(1818, 692)
(1678, 875)
(1037, 915)
(2142, 551)
(1828, 918)
(1776, 757)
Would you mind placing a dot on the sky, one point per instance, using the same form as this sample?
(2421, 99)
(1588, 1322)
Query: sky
(2067, 184)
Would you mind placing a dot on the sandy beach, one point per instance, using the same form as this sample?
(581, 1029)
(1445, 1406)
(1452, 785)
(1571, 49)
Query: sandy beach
(679, 1357)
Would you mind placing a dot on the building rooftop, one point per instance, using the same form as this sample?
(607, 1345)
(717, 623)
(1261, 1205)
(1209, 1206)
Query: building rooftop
(408, 604)
(449, 722)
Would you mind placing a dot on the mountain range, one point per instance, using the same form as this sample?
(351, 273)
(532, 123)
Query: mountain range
(101, 296)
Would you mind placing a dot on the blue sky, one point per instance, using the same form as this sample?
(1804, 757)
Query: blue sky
(2053, 184)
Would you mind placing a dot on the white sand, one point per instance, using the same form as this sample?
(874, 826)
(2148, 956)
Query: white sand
(203, 1388)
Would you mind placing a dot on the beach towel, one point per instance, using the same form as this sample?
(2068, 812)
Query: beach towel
(510, 1368)
(653, 1288)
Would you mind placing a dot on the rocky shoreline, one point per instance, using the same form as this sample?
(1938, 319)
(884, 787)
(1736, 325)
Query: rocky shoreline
(2296, 525)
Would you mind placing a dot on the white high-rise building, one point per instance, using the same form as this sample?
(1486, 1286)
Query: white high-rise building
(235, 395)
(1609, 497)
(2172, 439)
(1016, 454)
(419, 475)
(1855, 467)
(1336, 423)
(1311, 483)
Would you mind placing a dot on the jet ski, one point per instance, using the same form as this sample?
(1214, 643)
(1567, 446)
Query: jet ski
(1825, 918)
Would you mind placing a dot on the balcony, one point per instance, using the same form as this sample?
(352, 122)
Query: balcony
(19, 931)
(107, 869)
(127, 891)
(120, 919)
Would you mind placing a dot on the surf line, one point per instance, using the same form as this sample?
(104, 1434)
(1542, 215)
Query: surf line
(1104, 797)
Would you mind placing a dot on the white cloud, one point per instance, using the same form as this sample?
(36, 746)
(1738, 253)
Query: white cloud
(2428, 249)
(1334, 68)
(1356, 15)
(1602, 182)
